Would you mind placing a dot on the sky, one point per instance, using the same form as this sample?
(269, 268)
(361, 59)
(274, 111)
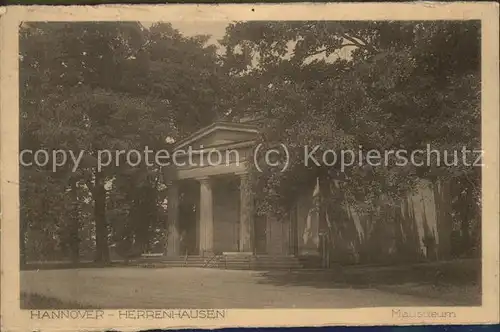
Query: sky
(216, 29)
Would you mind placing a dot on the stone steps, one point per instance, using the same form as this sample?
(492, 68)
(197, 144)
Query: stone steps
(310, 262)
(231, 262)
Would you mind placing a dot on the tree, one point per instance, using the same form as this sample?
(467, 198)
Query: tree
(75, 62)
(108, 86)
(346, 85)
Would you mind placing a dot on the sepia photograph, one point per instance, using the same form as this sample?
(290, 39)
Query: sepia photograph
(180, 168)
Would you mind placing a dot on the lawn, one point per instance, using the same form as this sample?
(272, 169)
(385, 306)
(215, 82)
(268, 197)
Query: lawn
(132, 287)
(36, 301)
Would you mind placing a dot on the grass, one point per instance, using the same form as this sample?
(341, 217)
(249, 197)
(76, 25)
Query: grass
(457, 281)
(454, 272)
(36, 301)
(68, 265)
(464, 295)
(443, 283)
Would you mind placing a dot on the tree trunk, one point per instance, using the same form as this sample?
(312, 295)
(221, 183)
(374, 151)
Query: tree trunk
(101, 229)
(144, 213)
(22, 242)
(442, 199)
(465, 220)
(74, 237)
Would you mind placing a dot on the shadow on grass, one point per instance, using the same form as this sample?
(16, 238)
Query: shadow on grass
(35, 301)
(457, 281)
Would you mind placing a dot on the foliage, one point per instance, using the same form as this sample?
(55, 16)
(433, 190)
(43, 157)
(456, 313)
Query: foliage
(360, 86)
(91, 86)
(108, 86)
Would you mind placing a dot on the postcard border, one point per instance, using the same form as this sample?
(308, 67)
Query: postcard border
(15, 319)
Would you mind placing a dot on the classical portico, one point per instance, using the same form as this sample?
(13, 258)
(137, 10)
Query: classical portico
(211, 209)
(210, 204)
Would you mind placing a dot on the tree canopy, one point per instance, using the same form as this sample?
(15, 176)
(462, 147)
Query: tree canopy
(90, 86)
(108, 86)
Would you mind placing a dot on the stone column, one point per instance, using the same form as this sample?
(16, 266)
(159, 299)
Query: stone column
(246, 215)
(206, 217)
(173, 236)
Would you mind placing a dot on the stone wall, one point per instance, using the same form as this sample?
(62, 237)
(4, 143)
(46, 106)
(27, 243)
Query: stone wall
(278, 233)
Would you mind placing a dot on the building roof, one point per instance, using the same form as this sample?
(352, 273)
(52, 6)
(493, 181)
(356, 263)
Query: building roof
(219, 126)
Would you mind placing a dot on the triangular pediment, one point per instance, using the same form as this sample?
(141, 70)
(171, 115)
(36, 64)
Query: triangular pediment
(219, 134)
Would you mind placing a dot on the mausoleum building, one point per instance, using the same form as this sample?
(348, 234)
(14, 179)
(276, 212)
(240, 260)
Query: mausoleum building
(211, 209)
